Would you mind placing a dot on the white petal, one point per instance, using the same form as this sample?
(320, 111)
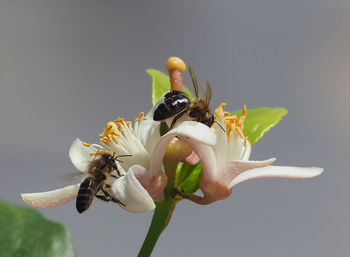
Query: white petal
(231, 170)
(278, 171)
(52, 198)
(196, 134)
(131, 193)
(149, 134)
(195, 131)
(247, 151)
(80, 155)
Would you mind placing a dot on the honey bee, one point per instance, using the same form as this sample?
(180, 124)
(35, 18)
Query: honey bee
(178, 103)
(100, 169)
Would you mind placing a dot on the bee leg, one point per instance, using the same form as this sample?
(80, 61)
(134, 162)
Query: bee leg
(109, 197)
(114, 176)
(178, 116)
(103, 198)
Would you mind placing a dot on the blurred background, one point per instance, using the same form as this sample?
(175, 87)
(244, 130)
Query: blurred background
(68, 67)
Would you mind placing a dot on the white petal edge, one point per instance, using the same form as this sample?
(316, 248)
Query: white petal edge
(52, 198)
(131, 193)
(80, 155)
(196, 131)
(191, 132)
(279, 172)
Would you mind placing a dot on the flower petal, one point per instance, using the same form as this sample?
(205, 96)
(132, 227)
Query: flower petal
(131, 193)
(233, 169)
(191, 132)
(196, 131)
(52, 198)
(278, 171)
(80, 155)
(192, 159)
(217, 185)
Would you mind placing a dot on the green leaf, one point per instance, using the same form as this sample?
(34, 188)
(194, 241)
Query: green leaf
(161, 84)
(188, 177)
(26, 232)
(163, 129)
(260, 120)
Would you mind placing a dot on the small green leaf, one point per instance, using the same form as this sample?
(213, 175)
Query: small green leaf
(163, 129)
(161, 84)
(27, 233)
(188, 177)
(260, 120)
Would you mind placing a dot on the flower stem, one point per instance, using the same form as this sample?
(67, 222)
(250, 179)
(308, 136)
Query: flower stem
(162, 213)
(158, 224)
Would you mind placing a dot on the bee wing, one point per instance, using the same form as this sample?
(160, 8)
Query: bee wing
(52, 198)
(73, 176)
(194, 80)
(208, 92)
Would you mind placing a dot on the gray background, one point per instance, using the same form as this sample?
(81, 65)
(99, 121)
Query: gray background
(68, 67)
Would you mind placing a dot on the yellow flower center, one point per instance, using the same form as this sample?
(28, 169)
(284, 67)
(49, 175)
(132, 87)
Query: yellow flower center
(109, 134)
(232, 122)
(141, 116)
(113, 129)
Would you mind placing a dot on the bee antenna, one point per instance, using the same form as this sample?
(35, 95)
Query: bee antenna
(220, 126)
(123, 155)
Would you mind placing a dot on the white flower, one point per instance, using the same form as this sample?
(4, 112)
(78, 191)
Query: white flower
(223, 151)
(144, 182)
(226, 163)
(122, 139)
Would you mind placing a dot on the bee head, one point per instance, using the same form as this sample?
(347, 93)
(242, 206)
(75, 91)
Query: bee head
(200, 111)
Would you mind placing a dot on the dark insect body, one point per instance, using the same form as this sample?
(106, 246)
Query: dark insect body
(99, 171)
(178, 103)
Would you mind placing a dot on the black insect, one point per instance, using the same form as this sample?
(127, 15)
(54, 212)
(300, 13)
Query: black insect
(178, 103)
(100, 170)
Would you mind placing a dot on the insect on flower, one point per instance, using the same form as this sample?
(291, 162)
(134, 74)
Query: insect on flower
(178, 103)
(99, 169)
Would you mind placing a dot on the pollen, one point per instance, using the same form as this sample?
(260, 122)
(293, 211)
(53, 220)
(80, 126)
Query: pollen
(99, 152)
(139, 117)
(109, 134)
(243, 116)
(219, 112)
(232, 122)
(240, 132)
(86, 144)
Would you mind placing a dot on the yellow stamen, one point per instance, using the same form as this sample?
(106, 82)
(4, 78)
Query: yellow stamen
(229, 129)
(99, 152)
(109, 133)
(243, 116)
(86, 144)
(233, 123)
(119, 120)
(139, 117)
(239, 132)
(219, 112)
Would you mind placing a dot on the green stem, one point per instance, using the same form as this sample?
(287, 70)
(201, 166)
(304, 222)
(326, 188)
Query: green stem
(158, 224)
(162, 213)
